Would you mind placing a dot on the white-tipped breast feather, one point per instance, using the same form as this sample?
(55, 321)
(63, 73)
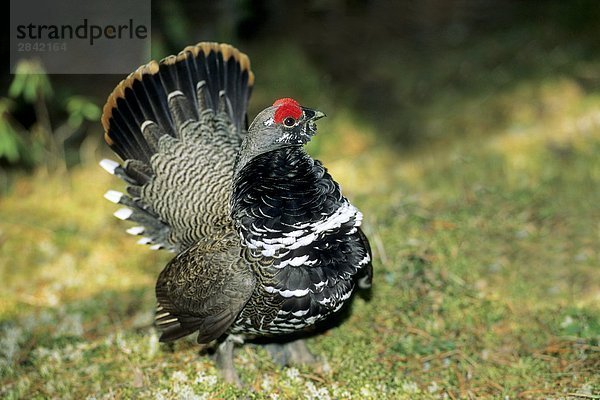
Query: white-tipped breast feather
(113, 196)
(123, 213)
(144, 240)
(135, 230)
(109, 165)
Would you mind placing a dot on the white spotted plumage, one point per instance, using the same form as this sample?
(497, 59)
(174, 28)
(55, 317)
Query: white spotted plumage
(302, 234)
(196, 171)
(287, 293)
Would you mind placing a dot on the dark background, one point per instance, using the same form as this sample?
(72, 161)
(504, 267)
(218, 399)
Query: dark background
(405, 68)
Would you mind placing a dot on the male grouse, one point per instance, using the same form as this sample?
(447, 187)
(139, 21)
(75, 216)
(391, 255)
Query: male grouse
(266, 243)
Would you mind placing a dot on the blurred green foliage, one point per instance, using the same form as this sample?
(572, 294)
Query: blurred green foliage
(43, 142)
(81, 109)
(30, 82)
(12, 147)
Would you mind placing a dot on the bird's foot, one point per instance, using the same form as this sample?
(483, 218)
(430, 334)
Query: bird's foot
(291, 353)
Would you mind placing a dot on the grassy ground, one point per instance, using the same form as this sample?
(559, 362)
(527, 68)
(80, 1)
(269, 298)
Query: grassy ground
(487, 280)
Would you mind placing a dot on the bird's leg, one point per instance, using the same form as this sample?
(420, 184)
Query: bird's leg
(299, 353)
(289, 353)
(224, 360)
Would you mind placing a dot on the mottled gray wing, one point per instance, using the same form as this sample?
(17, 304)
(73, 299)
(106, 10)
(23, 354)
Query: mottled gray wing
(203, 290)
(178, 125)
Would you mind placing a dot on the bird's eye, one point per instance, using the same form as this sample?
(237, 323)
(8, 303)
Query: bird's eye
(289, 122)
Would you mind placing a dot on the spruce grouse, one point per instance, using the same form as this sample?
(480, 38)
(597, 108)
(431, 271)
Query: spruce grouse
(266, 243)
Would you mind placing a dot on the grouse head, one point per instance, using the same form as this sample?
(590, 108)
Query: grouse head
(286, 123)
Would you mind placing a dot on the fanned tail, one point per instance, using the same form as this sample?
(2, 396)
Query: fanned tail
(191, 105)
(159, 98)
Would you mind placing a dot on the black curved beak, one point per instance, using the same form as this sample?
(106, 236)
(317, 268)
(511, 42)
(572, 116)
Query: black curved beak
(310, 116)
(313, 115)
